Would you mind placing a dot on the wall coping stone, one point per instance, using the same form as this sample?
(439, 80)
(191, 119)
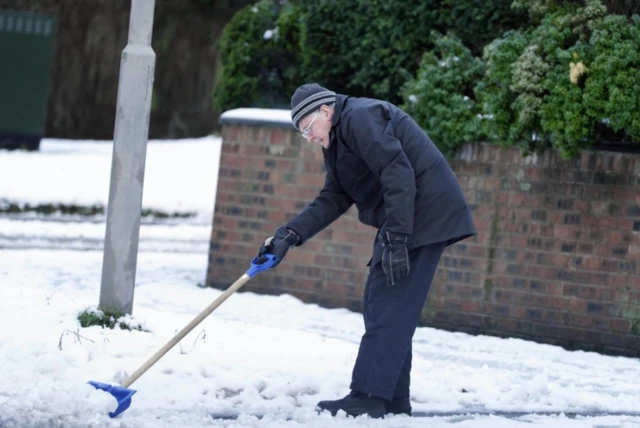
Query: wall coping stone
(275, 118)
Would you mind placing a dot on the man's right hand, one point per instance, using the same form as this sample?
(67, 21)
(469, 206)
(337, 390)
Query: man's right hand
(278, 244)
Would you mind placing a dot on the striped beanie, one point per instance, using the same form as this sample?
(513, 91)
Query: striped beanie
(308, 98)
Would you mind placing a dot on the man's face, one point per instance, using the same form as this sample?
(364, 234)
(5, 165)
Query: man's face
(316, 126)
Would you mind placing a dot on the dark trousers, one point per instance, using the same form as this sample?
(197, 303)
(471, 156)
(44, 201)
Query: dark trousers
(391, 315)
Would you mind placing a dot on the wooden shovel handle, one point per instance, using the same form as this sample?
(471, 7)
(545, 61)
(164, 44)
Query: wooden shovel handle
(197, 320)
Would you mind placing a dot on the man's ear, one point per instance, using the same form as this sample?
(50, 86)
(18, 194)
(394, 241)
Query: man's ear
(327, 111)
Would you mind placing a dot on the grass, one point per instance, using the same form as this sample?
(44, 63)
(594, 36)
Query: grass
(7, 207)
(109, 319)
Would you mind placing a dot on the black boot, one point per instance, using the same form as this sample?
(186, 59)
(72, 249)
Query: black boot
(398, 406)
(355, 404)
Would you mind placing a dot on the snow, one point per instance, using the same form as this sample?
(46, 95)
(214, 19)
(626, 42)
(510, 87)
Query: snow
(255, 355)
(282, 116)
(79, 173)
(269, 34)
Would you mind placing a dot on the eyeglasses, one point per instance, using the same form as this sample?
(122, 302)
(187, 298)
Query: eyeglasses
(307, 129)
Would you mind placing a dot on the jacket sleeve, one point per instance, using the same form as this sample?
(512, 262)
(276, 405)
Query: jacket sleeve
(373, 136)
(330, 204)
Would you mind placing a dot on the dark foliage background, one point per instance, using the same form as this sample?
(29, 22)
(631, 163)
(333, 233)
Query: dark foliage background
(90, 37)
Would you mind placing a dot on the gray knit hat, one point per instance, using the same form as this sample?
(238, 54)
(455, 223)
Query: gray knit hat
(307, 98)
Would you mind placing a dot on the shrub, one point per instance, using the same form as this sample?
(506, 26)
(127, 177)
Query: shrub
(564, 83)
(331, 32)
(372, 47)
(107, 319)
(441, 97)
(612, 86)
(254, 63)
(623, 7)
(537, 9)
(288, 37)
(361, 47)
(477, 23)
(494, 90)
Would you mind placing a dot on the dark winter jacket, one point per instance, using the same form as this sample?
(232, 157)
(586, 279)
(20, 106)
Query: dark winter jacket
(382, 161)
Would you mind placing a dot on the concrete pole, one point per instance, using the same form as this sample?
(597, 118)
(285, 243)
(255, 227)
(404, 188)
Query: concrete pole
(131, 133)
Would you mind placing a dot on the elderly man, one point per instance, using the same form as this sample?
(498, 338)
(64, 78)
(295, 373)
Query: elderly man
(379, 159)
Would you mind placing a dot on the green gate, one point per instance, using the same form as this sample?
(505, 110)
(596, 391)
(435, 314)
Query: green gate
(26, 47)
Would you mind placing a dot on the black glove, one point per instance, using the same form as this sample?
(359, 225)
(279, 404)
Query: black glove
(278, 244)
(395, 256)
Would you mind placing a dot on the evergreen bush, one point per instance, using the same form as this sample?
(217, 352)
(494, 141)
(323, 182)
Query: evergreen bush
(255, 65)
(372, 47)
(494, 92)
(441, 97)
(360, 47)
(568, 80)
(538, 9)
(612, 84)
(567, 83)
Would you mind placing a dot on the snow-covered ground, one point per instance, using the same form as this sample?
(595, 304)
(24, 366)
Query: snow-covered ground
(255, 355)
(179, 177)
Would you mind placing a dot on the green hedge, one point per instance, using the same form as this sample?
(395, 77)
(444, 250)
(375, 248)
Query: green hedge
(360, 47)
(567, 83)
(567, 80)
(365, 48)
(441, 97)
(257, 69)
(372, 47)
(538, 9)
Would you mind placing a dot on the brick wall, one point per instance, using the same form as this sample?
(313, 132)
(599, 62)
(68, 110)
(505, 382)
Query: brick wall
(555, 260)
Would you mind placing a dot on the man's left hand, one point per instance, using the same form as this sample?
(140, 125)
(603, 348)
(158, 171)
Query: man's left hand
(395, 257)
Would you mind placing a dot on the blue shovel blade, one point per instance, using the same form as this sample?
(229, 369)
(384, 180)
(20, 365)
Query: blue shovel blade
(121, 394)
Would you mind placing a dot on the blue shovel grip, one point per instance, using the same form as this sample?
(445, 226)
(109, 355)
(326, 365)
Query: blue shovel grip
(259, 267)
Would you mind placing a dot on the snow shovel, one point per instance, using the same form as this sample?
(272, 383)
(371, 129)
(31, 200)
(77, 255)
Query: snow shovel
(123, 394)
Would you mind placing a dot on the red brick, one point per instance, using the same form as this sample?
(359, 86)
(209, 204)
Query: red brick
(618, 281)
(499, 198)
(516, 199)
(229, 149)
(280, 136)
(561, 231)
